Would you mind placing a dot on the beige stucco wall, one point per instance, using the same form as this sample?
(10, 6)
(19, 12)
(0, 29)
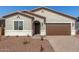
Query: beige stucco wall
(42, 24)
(56, 18)
(53, 17)
(9, 25)
(27, 26)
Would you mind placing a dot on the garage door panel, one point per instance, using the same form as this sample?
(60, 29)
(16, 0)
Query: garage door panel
(58, 29)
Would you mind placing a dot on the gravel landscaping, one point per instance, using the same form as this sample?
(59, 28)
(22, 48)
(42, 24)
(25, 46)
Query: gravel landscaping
(24, 44)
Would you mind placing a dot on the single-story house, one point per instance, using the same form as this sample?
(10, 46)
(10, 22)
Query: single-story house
(43, 21)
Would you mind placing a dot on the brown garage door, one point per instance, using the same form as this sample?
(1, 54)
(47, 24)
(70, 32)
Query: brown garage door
(58, 29)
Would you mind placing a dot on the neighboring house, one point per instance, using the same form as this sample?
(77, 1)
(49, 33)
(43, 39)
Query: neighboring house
(41, 21)
(77, 25)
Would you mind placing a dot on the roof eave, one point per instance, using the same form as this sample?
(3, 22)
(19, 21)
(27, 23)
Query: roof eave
(33, 10)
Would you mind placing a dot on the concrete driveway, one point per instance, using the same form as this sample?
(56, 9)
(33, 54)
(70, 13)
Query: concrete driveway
(64, 43)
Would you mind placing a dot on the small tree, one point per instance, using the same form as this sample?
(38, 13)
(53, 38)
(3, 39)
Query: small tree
(0, 38)
(29, 37)
(41, 50)
(77, 18)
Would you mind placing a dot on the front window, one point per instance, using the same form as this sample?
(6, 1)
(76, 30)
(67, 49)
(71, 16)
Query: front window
(18, 25)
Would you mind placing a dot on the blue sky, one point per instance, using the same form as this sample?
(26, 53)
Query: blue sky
(71, 10)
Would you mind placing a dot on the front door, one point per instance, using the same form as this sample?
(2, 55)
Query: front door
(36, 27)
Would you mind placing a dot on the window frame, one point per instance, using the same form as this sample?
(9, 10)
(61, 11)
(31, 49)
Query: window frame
(18, 24)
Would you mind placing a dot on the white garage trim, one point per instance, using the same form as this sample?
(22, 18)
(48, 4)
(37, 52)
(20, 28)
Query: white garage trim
(73, 30)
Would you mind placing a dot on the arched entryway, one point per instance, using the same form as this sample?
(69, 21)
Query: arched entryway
(36, 27)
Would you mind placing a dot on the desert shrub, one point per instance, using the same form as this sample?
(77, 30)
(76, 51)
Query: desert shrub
(17, 36)
(28, 35)
(26, 42)
(42, 38)
(7, 36)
